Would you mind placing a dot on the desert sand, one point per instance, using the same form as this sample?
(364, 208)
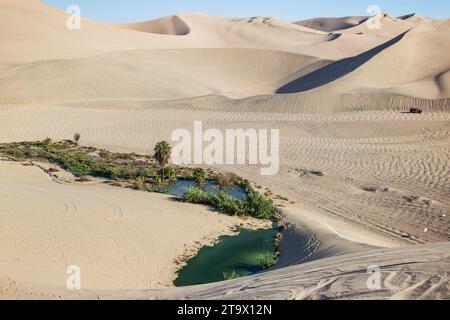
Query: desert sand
(337, 91)
(121, 239)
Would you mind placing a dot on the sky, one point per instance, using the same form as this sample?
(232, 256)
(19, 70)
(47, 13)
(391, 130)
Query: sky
(122, 11)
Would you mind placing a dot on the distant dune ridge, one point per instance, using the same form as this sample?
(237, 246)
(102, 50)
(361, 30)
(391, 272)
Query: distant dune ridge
(34, 51)
(344, 23)
(361, 173)
(332, 24)
(172, 25)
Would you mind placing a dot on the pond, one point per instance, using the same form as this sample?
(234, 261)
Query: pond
(181, 186)
(232, 254)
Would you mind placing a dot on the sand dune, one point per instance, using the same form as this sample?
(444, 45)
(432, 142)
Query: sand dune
(389, 25)
(335, 71)
(408, 72)
(172, 25)
(131, 63)
(422, 74)
(332, 24)
(338, 96)
(156, 74)
(35, 32)
(415, 18)
(40, 38)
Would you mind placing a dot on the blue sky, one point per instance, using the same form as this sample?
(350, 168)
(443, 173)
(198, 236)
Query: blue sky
(290, 10)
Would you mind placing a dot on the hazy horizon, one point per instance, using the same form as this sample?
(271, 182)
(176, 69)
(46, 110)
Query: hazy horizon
(290, 10)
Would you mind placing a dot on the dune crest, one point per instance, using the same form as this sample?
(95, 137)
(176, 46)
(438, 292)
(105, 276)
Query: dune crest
(421, 75)
(357, 24)
(408, 73)
(172, 25)
(415, 18)
(156, 74)
(332, 24)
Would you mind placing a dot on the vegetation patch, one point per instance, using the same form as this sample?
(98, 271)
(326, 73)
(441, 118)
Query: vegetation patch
(255, 205)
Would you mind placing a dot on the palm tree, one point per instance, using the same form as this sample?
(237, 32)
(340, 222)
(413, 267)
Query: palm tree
(162, 154)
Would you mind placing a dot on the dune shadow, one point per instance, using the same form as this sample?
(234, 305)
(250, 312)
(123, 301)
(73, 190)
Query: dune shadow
(334, 36)
(334, 70)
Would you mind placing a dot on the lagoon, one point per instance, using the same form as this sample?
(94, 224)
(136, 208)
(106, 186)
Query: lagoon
(232, 254)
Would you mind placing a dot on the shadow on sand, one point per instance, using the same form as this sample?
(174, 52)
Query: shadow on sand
(334, 70)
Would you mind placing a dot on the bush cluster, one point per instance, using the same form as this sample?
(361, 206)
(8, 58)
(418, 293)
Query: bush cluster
(254, 205)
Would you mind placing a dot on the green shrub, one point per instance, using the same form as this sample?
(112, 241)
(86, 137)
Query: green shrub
(197, 195)
(108, 171)
(225, 203)
(267, 260)
(259, 206)
(158, 179)
(144, 173)
(199, 176)
(46, 143)
(255, 204)
(221, 201)
(169, 173)
(16, 153)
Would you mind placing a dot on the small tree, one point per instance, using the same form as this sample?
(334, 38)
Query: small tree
(199, 176)
(162, 155)
(76, 137)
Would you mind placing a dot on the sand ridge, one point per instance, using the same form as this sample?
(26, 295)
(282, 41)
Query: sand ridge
(173, 25)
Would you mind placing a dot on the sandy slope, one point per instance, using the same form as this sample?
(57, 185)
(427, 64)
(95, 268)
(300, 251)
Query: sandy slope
(332, 24)
(387, 26)
(417, 64)
(415, 18)
(156, 74)
(410, 273)
(410, 62)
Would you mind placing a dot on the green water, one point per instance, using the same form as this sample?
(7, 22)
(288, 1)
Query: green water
(240, 254)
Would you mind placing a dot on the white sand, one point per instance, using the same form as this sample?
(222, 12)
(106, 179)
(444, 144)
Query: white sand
(385, 173)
